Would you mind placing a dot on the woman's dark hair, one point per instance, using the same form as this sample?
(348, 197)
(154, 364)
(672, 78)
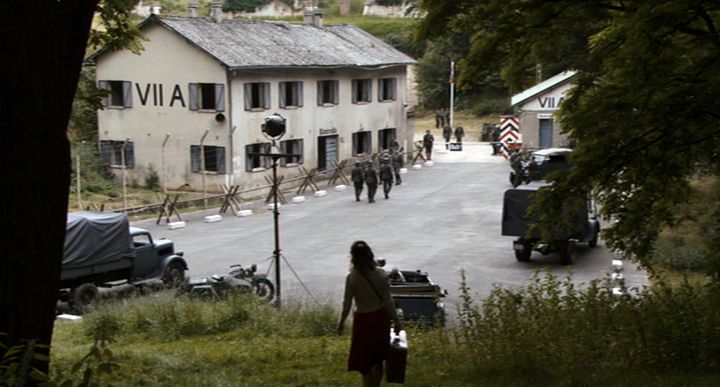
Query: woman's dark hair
(362, 257)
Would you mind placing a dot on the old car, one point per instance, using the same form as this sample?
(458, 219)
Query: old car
(583, 225)
(417, 298)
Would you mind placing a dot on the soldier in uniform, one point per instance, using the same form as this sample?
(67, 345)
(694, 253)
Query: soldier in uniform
(397, 164)
(447, 133)
(358, 179)
(428, 140)
(459, 133)
(371, 180)
(386, 174)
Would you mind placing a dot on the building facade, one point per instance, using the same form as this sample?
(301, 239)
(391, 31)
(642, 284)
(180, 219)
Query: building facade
(192, 104)
(536, 108)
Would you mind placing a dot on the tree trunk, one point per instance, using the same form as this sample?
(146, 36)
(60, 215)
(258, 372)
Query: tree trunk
(45, 45)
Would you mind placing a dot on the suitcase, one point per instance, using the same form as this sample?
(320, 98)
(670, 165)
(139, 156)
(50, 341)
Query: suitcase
(397, 357)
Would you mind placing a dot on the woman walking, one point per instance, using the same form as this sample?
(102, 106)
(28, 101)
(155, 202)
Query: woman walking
(368, 287)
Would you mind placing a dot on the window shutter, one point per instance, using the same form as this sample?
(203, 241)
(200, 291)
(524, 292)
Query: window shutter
(354, 91)
(266, 160)
(368, 90)
(320, 93)
(193, 88)
(248, 157)
(248, 95)
(195, 158)
(266, 92)
(129, 155)
(335, 92)
(380, 89)
(220, 159)
(393, 89)
(301, 150)
(299, 94)
(219, 97)
(106, 152)
(127, 94)
(282, 90)
(104, 85)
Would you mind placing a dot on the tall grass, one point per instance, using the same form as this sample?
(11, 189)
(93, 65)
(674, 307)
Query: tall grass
(547, 333)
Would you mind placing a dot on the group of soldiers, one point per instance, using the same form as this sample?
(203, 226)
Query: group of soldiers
(388, 173)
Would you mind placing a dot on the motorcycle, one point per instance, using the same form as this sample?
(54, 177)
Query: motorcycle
(239, 279)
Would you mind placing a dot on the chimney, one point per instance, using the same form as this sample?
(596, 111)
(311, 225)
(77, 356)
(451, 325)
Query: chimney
(216, 12)
(192, 8)
(155, 9)
(318, 17)
(307, 17)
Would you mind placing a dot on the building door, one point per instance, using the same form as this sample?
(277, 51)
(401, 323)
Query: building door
(327, 152)
(385, 137)
(546, 133)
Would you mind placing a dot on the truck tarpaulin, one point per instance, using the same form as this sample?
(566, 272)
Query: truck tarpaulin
(95, 238)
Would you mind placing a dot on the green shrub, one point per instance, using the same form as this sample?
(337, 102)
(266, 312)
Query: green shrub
(152, 180)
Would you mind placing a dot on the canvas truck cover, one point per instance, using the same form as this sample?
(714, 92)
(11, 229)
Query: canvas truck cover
(96, 238)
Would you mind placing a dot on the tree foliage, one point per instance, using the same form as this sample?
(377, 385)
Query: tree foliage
(644, 111)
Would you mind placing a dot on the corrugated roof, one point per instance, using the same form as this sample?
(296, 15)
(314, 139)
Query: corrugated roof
(541, 87)
(262, 44)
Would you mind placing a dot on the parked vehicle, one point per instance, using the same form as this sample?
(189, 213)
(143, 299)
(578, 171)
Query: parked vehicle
(239, 279)
(416, 297)
(539, 164)
(102, 250)
(584, 226)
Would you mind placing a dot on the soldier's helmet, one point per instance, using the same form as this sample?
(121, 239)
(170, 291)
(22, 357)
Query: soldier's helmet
(384, 159)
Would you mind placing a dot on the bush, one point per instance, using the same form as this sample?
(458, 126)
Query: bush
(152, 180)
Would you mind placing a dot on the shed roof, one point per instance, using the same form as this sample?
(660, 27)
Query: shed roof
(543, 86)
(252, 44)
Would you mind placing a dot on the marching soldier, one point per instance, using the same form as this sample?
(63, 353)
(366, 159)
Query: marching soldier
(372, 181)
(447, 133)
(386, 174)
(428, 140)
(358, 180)
(397, 163)
(459, 133)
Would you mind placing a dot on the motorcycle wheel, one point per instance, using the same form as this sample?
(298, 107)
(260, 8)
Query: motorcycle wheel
(264, 289)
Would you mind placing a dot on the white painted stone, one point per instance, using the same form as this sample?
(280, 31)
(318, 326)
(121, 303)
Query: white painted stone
(320, 193)
(213, 218)
(617, 264)
(176, 225)
(298, 199)
(429, 163)
(616, 276)
(340, 187)
(244, 213)
(69, 317)
(272, 205)
(403, 171)
(617, 291)
(417, 166)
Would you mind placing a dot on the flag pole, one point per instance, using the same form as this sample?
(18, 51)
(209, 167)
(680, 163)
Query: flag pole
(452, 92)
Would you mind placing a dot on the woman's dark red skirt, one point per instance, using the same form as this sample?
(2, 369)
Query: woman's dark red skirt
(370, 340)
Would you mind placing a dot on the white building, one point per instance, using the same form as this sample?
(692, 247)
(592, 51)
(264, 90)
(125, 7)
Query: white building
(536, 108)
(194, 100)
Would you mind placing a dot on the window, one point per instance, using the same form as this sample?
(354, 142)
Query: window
(291, 94)
(385, 138)
(327, 93)
(361, 143)
(111, 153)
(253, 159)
(214, 158)
(294, 147)
(207, 96)
(120, 95)
(361, 90)
(386, 89)
(257, 96)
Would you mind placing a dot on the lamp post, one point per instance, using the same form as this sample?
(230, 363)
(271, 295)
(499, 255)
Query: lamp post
(202, 166)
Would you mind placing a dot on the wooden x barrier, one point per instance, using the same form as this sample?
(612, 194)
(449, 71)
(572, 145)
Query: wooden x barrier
(273, 188)
(229, 200)
(418, 155)
(338, 174)
(169, 208)
(308, 182)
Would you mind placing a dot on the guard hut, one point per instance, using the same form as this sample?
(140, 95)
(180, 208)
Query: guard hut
(536, 108)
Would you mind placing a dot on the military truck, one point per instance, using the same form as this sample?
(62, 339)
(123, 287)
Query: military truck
(583, 224)
(102, 250)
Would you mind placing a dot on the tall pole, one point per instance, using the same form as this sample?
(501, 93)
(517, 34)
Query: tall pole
(77, 177)
(164, 172)
(202, 166)
(276, 222)
(452, 92)
(124, 174)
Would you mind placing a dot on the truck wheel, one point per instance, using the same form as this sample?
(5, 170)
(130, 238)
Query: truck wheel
(566, 250)
(264, 289)
(593, 241)
(174, 274)
(83, 297)
(524, 254)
